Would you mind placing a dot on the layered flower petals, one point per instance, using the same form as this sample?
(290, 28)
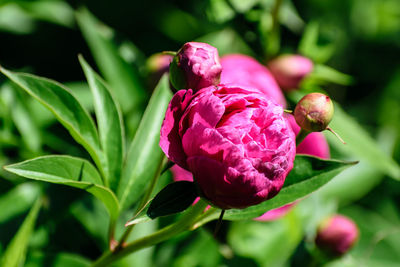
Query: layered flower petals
(235, 141)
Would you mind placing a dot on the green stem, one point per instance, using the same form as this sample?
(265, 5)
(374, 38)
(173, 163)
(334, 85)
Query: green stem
(300, 137)
(142, 204)
(274, 38)
(185, 223)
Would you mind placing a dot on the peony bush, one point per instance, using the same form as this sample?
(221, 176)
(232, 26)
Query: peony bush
(225, 152)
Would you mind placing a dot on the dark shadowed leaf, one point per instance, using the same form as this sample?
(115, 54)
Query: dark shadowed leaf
(173, 198)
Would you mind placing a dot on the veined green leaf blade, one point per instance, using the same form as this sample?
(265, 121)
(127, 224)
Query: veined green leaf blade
(16, 251)
(64, 106)
(360, 143)
(117, 72)
(145, 155)
(308, 174)
(70, 171)
(110, 125)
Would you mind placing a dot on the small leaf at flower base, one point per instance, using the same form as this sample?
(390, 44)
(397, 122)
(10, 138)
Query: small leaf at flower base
(16, 250)
(173, 198)
(71, 171)
(308, 174)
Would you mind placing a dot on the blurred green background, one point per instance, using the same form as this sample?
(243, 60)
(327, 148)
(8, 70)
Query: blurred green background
(360, 38)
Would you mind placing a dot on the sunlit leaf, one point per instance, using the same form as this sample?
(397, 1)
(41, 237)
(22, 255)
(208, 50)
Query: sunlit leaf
(145, 157)
(110, 125)
(70, 171)
(65, 107)
(360, 143)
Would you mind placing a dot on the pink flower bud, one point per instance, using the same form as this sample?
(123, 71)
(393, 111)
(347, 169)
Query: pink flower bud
(195, 66)
(314, 112)
(246, 71)
(156, 66)
(235, 141)
(336, 235)
(290, 70)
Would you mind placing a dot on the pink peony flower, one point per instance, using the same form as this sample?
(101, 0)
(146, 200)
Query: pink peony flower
(314, 144)
(195, 66)
(336, 235)
(235, 141)
(246, 71)
(290, 70)
(180, 174)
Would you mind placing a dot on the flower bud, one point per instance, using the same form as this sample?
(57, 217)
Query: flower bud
(336, 235)
(195, 66)
(314, 112)
(156, 66)
(289, 70)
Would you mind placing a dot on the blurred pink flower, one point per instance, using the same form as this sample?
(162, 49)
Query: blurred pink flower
(290, 70)
(336, 235)
(245, 71)
(235, 141)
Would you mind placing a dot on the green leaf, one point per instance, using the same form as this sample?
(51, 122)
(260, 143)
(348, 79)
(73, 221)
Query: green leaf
(145, 156)
(117, 72)
(309, 47)
(71, 171)
(110, 125)
(22, 197)
(21, 116)
(308, 174)
(16, 251)
(322, 74)
(173, 198)
(360, 143)
(65, 107)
